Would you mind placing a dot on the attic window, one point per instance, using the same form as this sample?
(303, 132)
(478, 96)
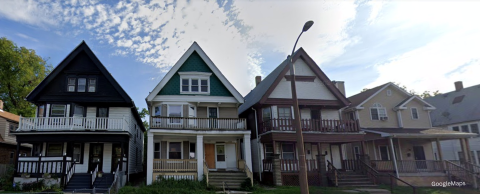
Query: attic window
(458, 99)
(389, 92)
(194, 82)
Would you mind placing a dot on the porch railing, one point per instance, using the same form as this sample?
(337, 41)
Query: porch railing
(243, 166)
(462, 173)
(94, 174)
(205, 171)
(324, 125)
(408, 166)
(332, 173)
(174, 165)
(267, 165)
(197, 123)
(287, 165)
(72, 123)
(61, 166)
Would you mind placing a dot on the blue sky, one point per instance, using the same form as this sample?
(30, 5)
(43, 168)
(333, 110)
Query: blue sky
(425, 45)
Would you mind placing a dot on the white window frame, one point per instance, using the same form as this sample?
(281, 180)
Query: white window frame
(74, 84)
(389, 92)
(78, 84)
(293, 151)
(64, 109)
(218, 111)
(91, 85)
(379, 107)
(168, 113)
(195, 76)
(160, 110)
(416, 110)
(168, 149)
(380, 152)
(159, 150)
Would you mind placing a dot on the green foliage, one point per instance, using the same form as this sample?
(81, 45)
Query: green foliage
(21, 70)
(164, 186)
(6, 181)
(247, 185)
(33, 186)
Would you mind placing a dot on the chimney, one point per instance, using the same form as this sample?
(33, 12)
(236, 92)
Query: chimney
(340, 85)
(258, 79)
(1, 105)
(458, 86)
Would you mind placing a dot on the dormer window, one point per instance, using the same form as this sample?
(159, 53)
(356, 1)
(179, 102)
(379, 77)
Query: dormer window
(81, 84)
(194, 82)
(71, 84)
(377, 112)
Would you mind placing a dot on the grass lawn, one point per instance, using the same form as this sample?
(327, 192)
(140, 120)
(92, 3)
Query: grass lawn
(289, 190)
(434, 190)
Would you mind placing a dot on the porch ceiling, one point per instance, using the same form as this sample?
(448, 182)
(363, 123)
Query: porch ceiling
(418, 133)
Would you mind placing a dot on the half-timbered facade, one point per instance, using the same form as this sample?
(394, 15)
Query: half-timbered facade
(84, 123)
(269, 112)
(194, 126)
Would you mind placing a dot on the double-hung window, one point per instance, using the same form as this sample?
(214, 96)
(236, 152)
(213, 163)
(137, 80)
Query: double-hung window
(77, 152)
(54, 149)
(82, 84)
(474, 129)
(288, 151)
(156, 151)
(194, 82)
(175, 111)
(268, 151)
(175, 150)
(378, 112)
(71, 84)
(191, 154)
(92, 84)
(414, 113)
(57, 110)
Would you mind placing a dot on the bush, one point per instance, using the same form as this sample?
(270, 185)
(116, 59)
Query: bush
(33, 186)
(247, 185)
(164, 186)
(6, 181)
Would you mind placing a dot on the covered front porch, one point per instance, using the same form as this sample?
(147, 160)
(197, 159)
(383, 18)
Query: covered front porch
(193, 154)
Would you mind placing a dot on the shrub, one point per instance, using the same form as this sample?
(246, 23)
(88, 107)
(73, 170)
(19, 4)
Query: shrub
(247, 185)
(33, 186)
(6, 181)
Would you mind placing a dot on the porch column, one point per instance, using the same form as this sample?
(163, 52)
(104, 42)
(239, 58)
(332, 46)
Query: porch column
(464, 149)
(467, 145)
(439, 149)
(17, 156)
(394, 158)
(149, 158)
(247, 150)
(200, 157)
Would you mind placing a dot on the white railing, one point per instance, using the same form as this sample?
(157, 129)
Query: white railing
(94, 174)
(72, 123)
(197, 123)
(175, 165)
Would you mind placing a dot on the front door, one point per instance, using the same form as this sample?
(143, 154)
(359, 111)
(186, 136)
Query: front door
(213, 113)
(102, 118)
(419, 154)
(220, 156)
(210, 155)
(231, 156)
(116, 156)
(96, 156)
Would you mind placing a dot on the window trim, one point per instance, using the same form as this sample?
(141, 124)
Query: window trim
(168, 149)
(181, 114)
(88, 84)
(190, 147)
(389, 92)
(265, 151)
(64, 110)
(194, 76)
(78, 84)
(269, 112)
(48, 147)
(159, 150)
(294, 150)
(278, 111)
(471, 131)
(416, 110)
(82, 151)
(377, 106)
(74, 84)
(44, 113)
(98, 111)
(160, 110)
(380, 152)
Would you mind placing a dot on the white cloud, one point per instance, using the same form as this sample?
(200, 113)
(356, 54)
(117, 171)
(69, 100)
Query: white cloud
(27, 37)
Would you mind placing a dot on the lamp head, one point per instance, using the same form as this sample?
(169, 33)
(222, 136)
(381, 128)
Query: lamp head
(307, 25)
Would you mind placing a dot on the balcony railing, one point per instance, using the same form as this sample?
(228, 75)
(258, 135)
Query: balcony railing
(72, 123)
(197, 123)
(325, 125)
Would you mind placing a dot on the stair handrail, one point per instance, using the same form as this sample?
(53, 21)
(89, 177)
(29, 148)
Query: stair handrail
(94, 174)
(249, 174)
(225, 184)
(332, 171)
(471, 166)
(469, 173)
(373, 175)
(205, 171)
(115, 174)
(70, 172)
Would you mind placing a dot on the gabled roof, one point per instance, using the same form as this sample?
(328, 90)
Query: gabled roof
(360, 98)
(464, 109)
(195, 48)
(419, 133)
(82, 47)
(402, 105)
(266, 86)
(9, 116)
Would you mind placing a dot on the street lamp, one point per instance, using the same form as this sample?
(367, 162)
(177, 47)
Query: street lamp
(296, 114)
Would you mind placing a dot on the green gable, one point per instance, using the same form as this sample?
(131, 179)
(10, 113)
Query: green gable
(194, 63)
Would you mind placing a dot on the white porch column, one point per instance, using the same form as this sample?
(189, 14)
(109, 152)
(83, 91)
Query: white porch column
(150, 158)
(200, 156)
(247, 150)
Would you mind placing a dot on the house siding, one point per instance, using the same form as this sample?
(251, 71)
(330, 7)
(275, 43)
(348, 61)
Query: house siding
(194, 63)
(305, 90)
(389, 102)
(228, 112)
(422, 122)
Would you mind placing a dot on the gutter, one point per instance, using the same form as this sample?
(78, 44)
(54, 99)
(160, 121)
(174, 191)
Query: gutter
(260, 170)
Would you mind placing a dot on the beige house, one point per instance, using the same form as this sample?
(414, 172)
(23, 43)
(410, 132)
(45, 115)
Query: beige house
(399, 135)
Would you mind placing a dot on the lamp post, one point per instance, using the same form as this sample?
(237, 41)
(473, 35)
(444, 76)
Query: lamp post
(296, 114)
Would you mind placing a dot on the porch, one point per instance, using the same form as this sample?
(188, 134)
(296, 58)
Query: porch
(72, 124)
(313, 125)
(195, 123)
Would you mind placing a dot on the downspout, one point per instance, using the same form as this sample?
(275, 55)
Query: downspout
(260, 170)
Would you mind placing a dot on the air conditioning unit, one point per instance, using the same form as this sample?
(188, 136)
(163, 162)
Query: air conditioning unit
(383, 118)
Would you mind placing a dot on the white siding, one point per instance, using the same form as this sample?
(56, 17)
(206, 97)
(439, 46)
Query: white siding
(91, 111)
(119, 112)
(305, 90)
(329, 114)
(255, 159)
(135, 157)
(305, 113)
(107, 157)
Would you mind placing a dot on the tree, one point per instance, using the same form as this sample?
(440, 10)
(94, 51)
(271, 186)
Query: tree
(143, 114)
(21, 70)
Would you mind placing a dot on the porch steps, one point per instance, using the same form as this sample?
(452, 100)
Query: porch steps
(232, 179)
(352, 179)
(104, 182)
(79, 181)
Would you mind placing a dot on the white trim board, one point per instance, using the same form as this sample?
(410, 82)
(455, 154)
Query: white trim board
(211, 65)
(359, 106)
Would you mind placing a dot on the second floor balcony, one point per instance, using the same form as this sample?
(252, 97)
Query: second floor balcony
(314, 125)
(198, 123)
(72, 124)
